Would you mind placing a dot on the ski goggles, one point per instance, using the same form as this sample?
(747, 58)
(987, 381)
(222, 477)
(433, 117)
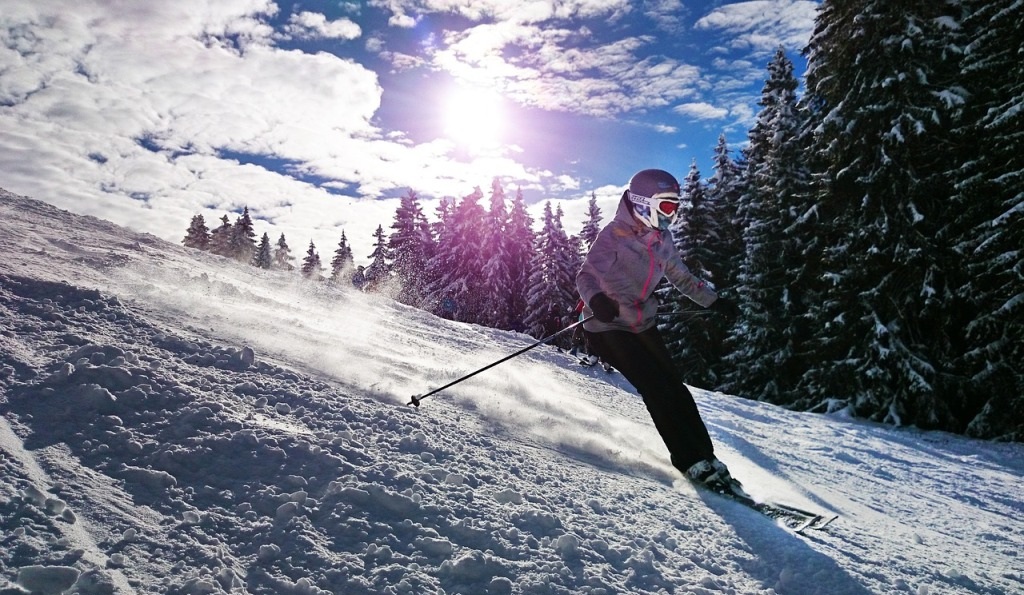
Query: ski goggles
(664, 203)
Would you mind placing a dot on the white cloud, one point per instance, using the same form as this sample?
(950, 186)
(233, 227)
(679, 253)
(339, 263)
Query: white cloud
(701, 111)
(524, 11)
(315, 25)
(667, 14)
(764, 25)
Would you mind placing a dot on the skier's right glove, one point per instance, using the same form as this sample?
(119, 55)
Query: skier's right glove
(605, 308)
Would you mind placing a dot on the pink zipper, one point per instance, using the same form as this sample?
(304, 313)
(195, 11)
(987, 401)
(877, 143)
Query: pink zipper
(647, 282)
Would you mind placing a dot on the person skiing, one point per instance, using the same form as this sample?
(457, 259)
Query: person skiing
(359, 279)
(579, 340)
(631, 254)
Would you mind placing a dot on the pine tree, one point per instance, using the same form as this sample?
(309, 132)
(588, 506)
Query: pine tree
(197, 236)
(220, 238)
(343, 262)
(311, 266)
(724, 245)
(495, 306)
(989, 197)
(766, 346)
(882, 85)
(552, 291)
(262, 258)
(410, 246)
(457, 280)
(283, 255)
(440, 298)
(572, 260)
(519, 253)
(242, 241)
(592, 226)
(724, 252)
(695, 341)
(379, 271)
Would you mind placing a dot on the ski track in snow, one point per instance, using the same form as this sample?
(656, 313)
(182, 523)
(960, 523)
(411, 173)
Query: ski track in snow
(173, 423)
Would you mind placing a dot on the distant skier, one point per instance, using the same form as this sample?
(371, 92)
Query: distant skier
(580, 343)
(579, 339)
(617, 281)
(359, 279)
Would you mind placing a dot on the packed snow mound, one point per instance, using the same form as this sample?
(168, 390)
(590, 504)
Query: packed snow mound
(171, 422)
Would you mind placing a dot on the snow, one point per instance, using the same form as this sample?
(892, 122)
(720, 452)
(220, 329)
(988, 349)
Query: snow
(173, 423)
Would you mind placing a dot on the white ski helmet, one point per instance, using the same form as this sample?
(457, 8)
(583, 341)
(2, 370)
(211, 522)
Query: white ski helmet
(654, 196)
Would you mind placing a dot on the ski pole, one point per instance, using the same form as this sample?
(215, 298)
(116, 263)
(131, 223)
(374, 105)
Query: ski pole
(416, 399)
(685, 313)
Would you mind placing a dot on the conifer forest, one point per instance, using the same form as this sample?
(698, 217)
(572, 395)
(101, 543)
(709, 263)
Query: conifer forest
(868, 237)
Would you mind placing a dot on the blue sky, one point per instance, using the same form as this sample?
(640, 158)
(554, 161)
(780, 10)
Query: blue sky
(318, 115)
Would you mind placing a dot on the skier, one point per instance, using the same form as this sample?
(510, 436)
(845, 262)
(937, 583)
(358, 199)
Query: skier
(579, 339)
(359, 279)
(617, 280)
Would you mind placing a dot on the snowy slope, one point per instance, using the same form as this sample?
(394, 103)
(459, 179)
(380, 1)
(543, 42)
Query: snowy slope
(173, 423)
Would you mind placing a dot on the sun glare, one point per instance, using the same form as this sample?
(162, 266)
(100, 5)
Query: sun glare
(474, 118)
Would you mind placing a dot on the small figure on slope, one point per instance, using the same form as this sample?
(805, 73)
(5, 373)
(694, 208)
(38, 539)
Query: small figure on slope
(579, 339)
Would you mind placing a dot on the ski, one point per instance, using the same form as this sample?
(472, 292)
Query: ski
(795, 519)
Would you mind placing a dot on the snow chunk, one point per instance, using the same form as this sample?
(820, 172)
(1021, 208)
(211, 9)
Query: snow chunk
(33, 495)
(152, 479)
(567, 546)
(94, 397)
(473, 566)
(287, 511)
(509, 496)
(434, 547)
(269, 552)
(47, 580)
(500, 586)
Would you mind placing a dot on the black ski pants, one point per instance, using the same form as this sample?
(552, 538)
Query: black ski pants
(645, 361)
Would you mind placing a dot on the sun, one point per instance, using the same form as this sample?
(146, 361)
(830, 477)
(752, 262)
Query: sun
(474, 118)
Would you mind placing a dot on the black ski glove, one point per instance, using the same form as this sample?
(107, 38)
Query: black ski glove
(604, 307)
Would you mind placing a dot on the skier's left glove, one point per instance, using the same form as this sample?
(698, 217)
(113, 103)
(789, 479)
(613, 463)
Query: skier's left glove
(605, 308)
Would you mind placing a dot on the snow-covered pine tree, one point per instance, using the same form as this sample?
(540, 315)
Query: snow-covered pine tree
(697, 224)
(592, 226)
(198, 235)
(311, 265)
(242, 242)
(410, 246)
(262, 258)
(437, 298)
(882, 82)
(379, 272)
(495, 303)
(573, 259)
(519, 254)
(724, 247)
(343, 262)
(765, 348)
(283, 255)
(989, 198)
(552, 292)
(457, 278)
(695, 341)
(220, 237)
